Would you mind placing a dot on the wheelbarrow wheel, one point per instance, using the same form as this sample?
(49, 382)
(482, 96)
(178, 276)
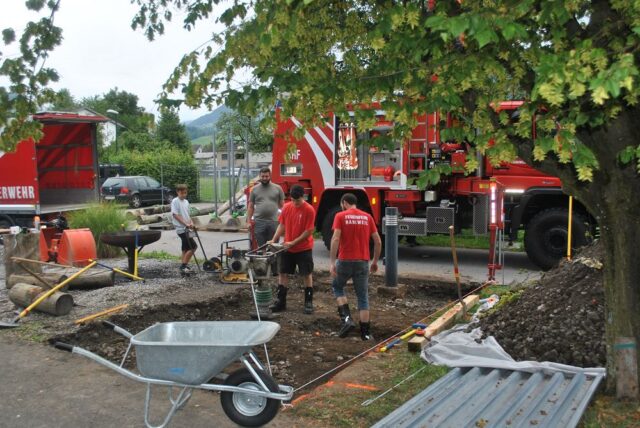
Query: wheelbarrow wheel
(246, 409)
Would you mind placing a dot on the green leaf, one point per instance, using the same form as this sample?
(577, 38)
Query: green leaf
(509, 31)
(8, 35)
(436, 22)
(458, 25)
(486, 36)
(34, 4)
(581, 119)
(627, 154)
(612, 87)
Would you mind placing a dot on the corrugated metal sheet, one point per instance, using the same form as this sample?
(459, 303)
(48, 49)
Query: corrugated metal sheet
(484, 397)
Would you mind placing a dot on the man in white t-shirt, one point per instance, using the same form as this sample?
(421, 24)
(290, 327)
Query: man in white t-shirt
(182, 222)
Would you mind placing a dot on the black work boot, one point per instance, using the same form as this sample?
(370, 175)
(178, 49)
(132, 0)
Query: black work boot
(280, 304)
(308, 300)
(365, 334)
(347, 322)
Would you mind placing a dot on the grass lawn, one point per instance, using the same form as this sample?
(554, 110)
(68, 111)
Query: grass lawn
(466, 239)
(205, 189)
(205, 139)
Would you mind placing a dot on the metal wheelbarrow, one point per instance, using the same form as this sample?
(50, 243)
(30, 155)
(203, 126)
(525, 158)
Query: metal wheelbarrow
(187, 355)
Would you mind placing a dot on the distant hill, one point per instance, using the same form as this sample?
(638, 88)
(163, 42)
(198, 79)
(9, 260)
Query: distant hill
(209, 120)
(204, 125)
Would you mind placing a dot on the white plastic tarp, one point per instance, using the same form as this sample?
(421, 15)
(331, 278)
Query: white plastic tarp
(457, 348)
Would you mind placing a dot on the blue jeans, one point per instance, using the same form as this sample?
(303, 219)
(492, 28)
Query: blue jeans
(358, 271)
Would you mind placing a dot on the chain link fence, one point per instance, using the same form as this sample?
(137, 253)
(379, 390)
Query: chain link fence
(218, 185)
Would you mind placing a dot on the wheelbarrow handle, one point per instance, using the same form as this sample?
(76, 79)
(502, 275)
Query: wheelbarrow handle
(115, 328)
(63, 346)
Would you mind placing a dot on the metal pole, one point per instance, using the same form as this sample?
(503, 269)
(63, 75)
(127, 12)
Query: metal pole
(162, 182)
(229, 172)
(569, 228)
(391, 247)
(246, 149)
(232, 195)
(215, 175)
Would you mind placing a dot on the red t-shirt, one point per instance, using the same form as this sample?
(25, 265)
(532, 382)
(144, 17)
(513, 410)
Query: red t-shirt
(356, 228)
(296, 220)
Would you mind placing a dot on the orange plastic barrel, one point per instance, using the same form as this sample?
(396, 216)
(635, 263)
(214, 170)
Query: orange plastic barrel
(76, 247)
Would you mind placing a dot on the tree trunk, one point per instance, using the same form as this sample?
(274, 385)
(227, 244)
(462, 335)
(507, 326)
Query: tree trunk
(612, 198)
(620, 233)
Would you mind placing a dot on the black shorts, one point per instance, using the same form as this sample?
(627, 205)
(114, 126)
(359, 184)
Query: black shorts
(289, 261)
(187, 243)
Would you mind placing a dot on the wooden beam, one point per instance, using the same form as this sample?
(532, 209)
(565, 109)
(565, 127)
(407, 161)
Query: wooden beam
(448, 318)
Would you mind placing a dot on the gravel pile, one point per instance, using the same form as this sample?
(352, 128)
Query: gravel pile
(558, 319)
(164, 284)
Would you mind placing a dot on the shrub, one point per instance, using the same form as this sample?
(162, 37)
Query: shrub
(100, 218)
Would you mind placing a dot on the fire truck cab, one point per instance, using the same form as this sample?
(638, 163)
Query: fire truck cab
(338, 157)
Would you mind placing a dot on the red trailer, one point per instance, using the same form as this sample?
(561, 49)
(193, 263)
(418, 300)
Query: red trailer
(55, 175)
(338, 157)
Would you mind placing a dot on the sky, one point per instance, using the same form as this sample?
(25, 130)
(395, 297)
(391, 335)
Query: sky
(100, 51)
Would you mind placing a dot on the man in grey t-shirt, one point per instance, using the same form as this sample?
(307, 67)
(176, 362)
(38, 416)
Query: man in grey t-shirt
(265, 201)
(182, 222)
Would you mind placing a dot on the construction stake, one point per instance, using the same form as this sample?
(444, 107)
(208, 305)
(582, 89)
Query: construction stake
(456, 272)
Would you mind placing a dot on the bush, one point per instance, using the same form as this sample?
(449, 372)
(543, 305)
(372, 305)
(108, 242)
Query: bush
(168, 165)
(100, 218)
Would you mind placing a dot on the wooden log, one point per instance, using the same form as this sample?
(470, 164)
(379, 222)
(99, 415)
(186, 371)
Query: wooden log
(148, 219)
(50, 278)
(93, 279)
(36, 275)
(57, 304)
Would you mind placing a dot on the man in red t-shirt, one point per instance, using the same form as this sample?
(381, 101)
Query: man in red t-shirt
(296, 222)
(352, 229)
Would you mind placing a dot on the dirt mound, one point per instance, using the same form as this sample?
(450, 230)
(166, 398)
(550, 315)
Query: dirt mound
(558, 319)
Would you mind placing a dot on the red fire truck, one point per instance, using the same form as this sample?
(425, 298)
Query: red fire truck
(498, 201)
(56, 175)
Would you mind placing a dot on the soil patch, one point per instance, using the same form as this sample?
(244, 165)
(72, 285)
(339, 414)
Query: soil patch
(558, 319)
(305, 347)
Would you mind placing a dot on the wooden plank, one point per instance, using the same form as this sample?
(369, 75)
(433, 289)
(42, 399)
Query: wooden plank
(38, 262)
(101, 313)
(416, 343)
(448, 318)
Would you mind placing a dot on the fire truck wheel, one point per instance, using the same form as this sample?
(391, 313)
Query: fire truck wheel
(6, 222)
(327, 224)
(545, 239)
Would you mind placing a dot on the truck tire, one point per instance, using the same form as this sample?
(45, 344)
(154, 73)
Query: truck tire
(245, 409)
(545, 239)
(327, 224)
(5, 223)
